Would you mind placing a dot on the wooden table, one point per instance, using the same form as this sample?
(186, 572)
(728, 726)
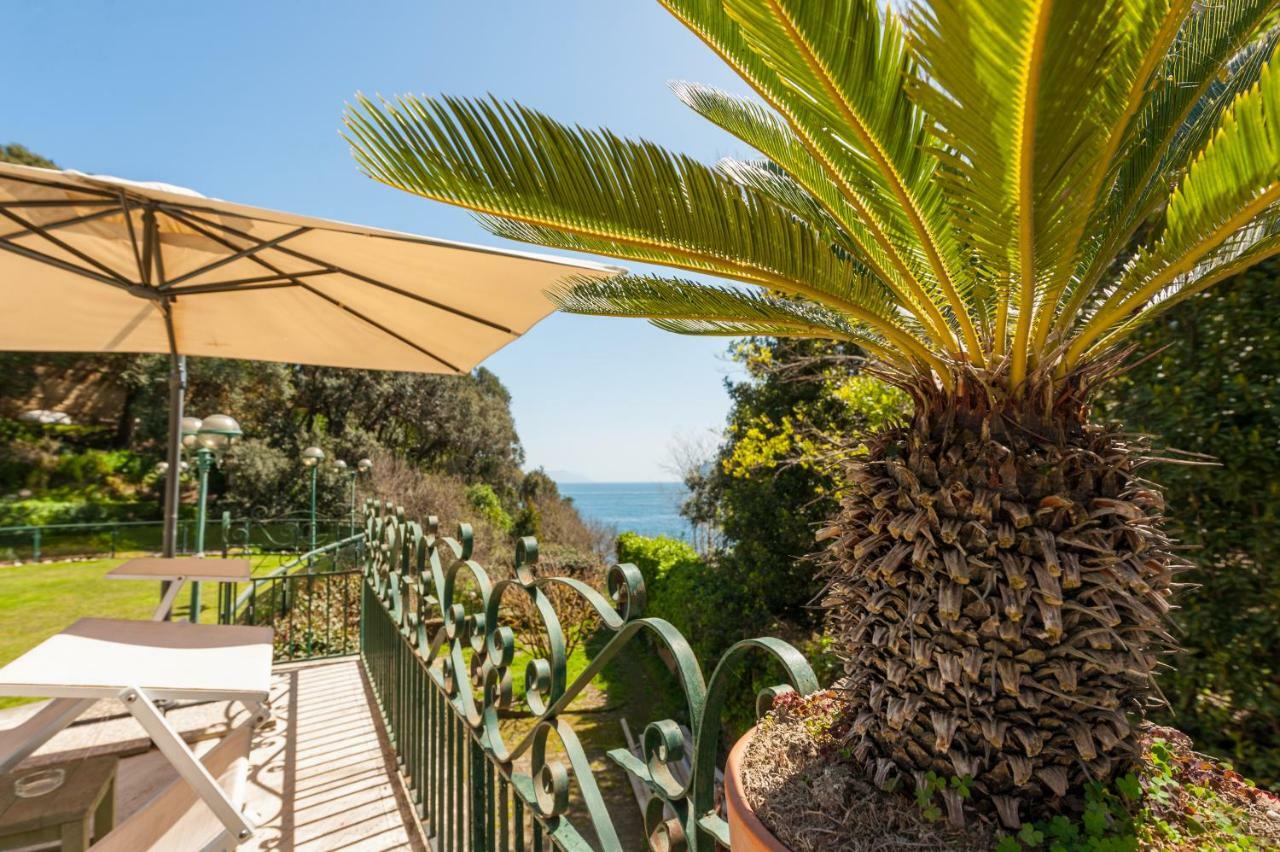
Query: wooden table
(83, 808)
(136, 663)
(175, 571)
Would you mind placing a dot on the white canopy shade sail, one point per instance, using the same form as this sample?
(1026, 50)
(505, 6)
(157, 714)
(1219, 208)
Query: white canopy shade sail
(100, 264)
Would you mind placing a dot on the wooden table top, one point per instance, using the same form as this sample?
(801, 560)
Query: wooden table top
(183, 568)
(86, 782)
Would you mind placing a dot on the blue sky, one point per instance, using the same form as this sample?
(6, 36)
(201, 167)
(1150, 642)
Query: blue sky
(243, 100)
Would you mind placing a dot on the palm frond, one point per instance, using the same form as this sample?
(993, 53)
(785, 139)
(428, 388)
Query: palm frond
(663, 298)
(1248, 247)
(998, 191)
(771, 181)
(590, 190)
(1018, 92)
(1233, 181)
(768, 133)
(1141, 32)
(1218, 53)
(844, 68)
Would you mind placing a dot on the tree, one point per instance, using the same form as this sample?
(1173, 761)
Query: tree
(1212, 387)
(776, 479)
(22, 156)
(988, 199)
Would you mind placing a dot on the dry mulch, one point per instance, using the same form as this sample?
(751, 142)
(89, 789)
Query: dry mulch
(813, 801)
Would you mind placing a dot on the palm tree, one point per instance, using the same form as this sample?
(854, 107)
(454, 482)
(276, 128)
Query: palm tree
(988, 198)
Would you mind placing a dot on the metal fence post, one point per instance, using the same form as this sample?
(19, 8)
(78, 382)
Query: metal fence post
(35, 544)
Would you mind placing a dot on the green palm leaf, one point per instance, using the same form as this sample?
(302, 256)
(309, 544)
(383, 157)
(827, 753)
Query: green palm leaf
(986, 195)
(592, 191)
(843, 64)
(673, 299)
(768, 133)
(1231, 183)
(1217, 54)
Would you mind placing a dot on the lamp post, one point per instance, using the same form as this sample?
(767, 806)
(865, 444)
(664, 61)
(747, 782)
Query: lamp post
(364, 467)
(346, 472)
(311, 457)
(352, 474)
(214, 436)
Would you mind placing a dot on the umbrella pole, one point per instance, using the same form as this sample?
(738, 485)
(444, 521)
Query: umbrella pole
(172, 492)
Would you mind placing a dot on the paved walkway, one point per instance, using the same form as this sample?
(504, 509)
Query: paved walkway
(320, 778)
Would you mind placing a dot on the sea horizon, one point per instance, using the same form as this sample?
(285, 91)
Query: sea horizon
(647, 508)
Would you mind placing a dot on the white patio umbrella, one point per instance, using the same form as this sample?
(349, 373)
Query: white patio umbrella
(99, 264)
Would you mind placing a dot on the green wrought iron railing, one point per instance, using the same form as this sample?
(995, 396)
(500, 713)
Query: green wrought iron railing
(439, 650)
(289, 534)
(312, 602)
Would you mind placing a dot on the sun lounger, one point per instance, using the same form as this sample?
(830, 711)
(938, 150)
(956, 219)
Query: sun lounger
(137, 663)
(177, 817)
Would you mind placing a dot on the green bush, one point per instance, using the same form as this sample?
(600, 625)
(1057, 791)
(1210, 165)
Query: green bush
(40, 511)
(704, 602)
(485, 500)
(1211, 385)
(677, 585)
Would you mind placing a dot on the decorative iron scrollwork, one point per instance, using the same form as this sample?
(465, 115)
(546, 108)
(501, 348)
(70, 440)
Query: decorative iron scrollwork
(419, 576)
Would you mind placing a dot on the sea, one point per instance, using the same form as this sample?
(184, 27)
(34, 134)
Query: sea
(648, 508)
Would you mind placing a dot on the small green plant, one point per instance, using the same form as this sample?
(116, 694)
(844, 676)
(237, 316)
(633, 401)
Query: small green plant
(1174, 802)
(933, 786)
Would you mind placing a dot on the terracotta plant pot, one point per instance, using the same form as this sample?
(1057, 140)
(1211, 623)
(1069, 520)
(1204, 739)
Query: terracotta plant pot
(746, 832)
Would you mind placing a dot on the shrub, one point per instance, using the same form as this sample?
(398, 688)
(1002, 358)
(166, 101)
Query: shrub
(485, 500)
(1212, 386)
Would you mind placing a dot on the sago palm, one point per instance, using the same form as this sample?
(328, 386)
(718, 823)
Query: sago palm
(987, 197)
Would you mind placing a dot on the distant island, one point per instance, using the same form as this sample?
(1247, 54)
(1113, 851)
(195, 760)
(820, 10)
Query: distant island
(569, 477)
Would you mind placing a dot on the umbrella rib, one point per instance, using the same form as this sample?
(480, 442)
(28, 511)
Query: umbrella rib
(373, 322)
(255, 283)
(239, 255)
(64, 223)
(36, 229)
(352, 274)
(133, 234)
(56, 184)
(267, 283)
(41, 257)
(57, 202)
(326, 297)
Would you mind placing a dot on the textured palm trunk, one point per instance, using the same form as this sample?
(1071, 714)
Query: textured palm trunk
(998, 590)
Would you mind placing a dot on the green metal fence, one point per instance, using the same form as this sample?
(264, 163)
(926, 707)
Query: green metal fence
(439, 650)
(312, 602)
(34, 542)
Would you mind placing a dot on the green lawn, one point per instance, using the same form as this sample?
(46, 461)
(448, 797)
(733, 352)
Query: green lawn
(38, 600)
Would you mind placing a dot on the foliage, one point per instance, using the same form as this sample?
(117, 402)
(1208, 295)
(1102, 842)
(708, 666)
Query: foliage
(776, 479)
(929, 192)
(40, 511)
(988, 199)
(485, 500)
(456, 425)
(578, 620)
(22, 156)
(1175, 800)
(699, 598)
(1212, 386)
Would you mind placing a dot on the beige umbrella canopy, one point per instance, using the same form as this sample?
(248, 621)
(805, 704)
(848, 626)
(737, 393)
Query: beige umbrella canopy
(99, 264)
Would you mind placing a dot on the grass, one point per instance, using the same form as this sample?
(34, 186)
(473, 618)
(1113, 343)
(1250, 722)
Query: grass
(39, 599)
